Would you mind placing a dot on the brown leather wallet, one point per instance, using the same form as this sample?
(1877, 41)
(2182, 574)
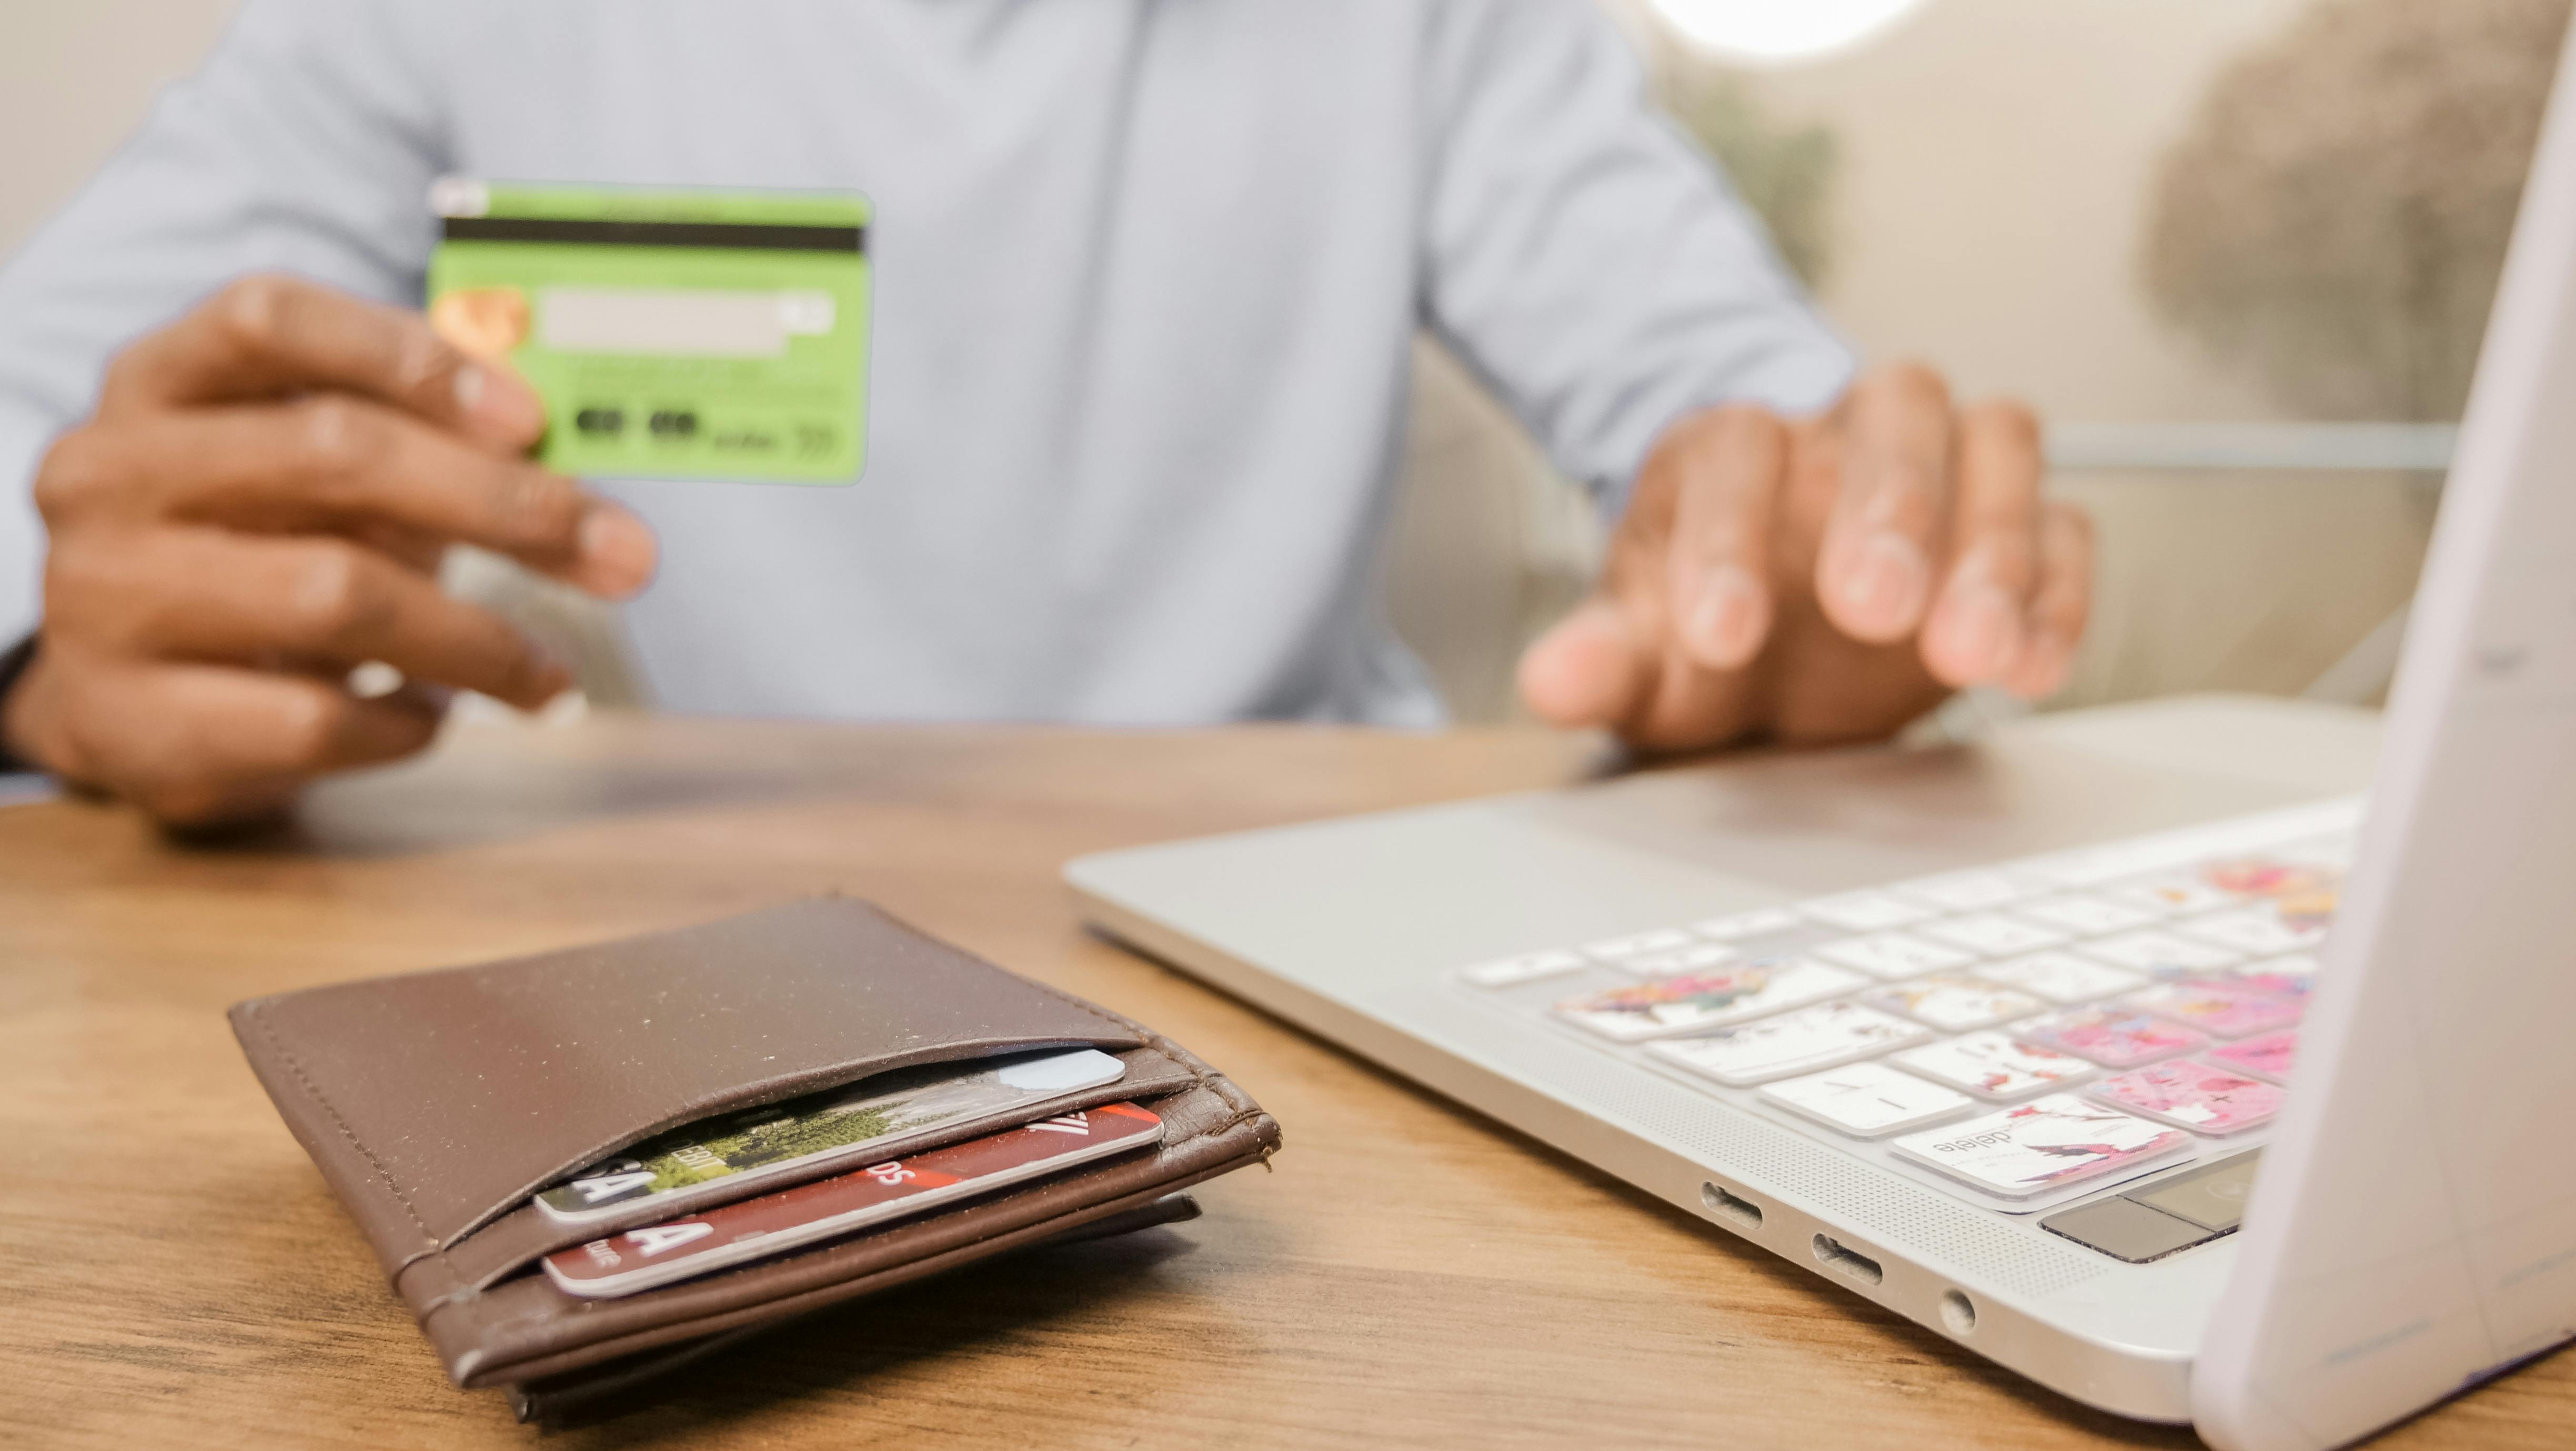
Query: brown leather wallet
(436, 1103)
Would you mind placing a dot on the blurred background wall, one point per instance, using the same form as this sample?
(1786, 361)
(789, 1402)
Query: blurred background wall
(74, 79)
(2148, 212)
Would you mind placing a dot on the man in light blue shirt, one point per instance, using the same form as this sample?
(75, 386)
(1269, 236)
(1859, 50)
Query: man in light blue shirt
(1147, 272)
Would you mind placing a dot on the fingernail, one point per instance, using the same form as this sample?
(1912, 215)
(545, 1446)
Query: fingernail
(1980, 635)
(617, 551)
(374, 680)
(1883, 589)
(1726, 627)
(500, 402)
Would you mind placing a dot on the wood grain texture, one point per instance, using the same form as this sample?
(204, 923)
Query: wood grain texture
(172, 1270)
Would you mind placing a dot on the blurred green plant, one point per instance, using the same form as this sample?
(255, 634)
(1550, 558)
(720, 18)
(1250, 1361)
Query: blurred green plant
(1785, 173)
(2336, 217)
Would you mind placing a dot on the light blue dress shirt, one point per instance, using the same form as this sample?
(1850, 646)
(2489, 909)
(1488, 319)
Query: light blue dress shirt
(1147, 272)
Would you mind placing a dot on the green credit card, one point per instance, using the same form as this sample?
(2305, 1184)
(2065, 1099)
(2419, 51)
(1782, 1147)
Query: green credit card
(673, 333)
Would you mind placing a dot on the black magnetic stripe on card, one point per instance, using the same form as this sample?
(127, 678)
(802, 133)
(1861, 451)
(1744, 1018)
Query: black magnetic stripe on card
(756, 235)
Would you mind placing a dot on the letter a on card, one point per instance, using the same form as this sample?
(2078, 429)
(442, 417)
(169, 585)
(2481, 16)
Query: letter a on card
(654, 1239)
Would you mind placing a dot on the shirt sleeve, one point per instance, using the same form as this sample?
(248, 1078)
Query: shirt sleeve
(305, 145)
(1586, 258)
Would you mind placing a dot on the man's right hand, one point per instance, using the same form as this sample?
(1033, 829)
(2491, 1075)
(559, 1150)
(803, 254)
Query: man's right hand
(258, 506)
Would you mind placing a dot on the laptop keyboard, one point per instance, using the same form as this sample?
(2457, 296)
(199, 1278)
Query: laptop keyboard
(2020, 1036)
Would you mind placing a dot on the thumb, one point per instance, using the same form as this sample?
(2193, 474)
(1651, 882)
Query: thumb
(1590, 669)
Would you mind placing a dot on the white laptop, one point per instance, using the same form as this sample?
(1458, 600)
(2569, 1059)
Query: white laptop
(2121, 1114)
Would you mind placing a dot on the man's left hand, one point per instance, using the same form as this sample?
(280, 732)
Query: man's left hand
(1823, 580)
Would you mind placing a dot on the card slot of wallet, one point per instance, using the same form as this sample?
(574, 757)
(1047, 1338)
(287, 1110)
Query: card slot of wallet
(526, 1234)
(525, 1329)
(437, 1102)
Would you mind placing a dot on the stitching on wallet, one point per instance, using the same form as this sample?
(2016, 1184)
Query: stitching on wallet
(286, 1055)
(1239, 1120)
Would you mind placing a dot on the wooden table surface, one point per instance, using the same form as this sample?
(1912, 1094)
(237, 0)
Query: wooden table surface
(172, 1271)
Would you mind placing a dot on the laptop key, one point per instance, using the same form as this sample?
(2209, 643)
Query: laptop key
(2170, 895)
(2161, 952)
(1636, 944)
(1694, 958)
(2270, 1057)
(2258, 930)
(1865, 911)
(2221, 1007)
(2283, 977)
(2041, 1145)
(2192, 1095)
(1867, 1100)
(1893, 955)
(1964, 891)
(2266, 875)
(1991, 934)
(1760, 922)
(2114, 1037)
(1695, 1002)
(1992, 1065)
(2062, 977)
(2086, 916)
(1953, 1004)
(1799, 1042)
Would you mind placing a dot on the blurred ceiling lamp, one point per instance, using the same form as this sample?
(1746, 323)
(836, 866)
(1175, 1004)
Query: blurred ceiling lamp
(1777, 31)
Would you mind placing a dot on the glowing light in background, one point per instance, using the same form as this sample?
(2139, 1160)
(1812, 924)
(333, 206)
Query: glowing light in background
(1774, 31)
